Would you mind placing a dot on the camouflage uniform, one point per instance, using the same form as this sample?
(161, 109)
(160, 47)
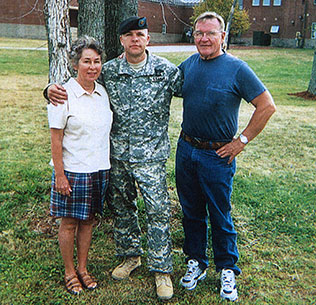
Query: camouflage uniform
(140, 146)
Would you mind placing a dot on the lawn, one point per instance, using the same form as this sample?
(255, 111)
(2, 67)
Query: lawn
(273, 200)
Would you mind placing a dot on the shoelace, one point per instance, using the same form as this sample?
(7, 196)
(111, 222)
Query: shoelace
(162, 279)
(228, 282)
(130, 262)
(191, 270)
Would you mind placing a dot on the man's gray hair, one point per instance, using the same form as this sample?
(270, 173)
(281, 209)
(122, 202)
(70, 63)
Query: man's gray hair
(82, 43)
(210, 15)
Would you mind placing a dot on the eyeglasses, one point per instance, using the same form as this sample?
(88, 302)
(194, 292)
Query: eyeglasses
(209, 35)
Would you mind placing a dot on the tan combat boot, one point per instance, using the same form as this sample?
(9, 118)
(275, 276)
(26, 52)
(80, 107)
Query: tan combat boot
(123, 270)
(164, 286)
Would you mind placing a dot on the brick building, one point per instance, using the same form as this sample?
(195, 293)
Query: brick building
(168, 20)
(22, 19)
(282, 23)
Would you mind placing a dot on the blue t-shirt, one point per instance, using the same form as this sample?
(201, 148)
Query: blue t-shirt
(212, 92)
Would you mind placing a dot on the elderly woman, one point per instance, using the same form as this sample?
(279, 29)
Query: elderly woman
(80, 155)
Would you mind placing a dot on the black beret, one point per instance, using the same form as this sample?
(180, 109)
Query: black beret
(133, 23)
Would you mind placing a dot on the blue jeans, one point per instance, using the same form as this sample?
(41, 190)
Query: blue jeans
(204, 185)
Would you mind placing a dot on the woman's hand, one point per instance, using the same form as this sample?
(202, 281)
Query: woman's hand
(62, 185)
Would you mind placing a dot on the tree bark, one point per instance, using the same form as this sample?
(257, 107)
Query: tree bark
(91, 19)
(228, 24)
(115, 12)
(312, 82)
(58, 36)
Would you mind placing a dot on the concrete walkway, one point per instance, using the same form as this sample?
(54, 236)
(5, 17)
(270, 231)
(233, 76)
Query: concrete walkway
(20, 48)
(172, 48)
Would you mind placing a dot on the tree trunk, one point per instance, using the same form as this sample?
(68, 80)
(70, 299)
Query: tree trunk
(91, 19)
(115, 12)
(302, 45)
(58, 36)
(228, 24)
(312, 82)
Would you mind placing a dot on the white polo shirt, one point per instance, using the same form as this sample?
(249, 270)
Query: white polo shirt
(86, 120)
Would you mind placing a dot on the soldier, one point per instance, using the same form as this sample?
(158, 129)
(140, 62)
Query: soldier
(140, 86)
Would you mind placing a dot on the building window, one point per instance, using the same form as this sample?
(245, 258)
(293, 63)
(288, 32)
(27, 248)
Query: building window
(255, 2)
(274, 29)
(241, 4)
(314, 2)
(277, 2)
(313, 30)
(266, 3)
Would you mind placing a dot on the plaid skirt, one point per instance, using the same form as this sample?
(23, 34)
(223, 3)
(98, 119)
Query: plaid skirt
(86, 198)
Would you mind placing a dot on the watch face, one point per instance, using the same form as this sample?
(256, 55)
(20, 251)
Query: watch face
(243, 139)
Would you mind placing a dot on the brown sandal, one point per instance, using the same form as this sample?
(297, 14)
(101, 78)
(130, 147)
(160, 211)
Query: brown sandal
(72, 282)
(86, 280)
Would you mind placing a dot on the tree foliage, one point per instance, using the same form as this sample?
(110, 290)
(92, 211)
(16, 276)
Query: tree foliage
(240, 22)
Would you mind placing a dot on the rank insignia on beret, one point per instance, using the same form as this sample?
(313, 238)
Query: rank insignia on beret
(142, 22)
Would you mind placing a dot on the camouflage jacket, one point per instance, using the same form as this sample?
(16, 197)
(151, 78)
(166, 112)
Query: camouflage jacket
(140, 102)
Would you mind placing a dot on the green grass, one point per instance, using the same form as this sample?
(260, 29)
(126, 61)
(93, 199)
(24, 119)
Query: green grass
(273, 200)
(22, 43)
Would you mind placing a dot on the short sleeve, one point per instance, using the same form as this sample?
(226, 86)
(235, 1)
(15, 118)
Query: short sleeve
(57, 115)
(250, 85)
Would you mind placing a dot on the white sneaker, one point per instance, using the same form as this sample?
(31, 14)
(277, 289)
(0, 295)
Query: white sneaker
(193, 275)
(228, 285)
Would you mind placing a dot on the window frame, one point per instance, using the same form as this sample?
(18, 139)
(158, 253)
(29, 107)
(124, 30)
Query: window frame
(255, 2)
(313, 30)
(277, 2)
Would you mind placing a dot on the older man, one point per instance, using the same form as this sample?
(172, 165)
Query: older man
(214, 84)
(140, 87)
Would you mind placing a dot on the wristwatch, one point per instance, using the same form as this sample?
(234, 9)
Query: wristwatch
(243, 139)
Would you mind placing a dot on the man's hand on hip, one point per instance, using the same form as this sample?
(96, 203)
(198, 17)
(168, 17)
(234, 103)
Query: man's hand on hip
(231, 150)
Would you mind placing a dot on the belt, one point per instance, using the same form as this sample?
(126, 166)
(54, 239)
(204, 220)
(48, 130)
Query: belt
(197, 143)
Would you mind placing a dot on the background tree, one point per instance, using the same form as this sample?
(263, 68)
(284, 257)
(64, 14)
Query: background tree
(229, 23)
(58, 36)
(91, 19)
(101, 19)
(96, 18)
(115, 12)
(240, 22)
(312, 82)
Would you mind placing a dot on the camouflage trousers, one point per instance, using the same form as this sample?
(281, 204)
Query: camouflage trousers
(150, 177)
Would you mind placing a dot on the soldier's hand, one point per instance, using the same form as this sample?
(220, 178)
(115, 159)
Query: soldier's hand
(231, 150)
(57, 94)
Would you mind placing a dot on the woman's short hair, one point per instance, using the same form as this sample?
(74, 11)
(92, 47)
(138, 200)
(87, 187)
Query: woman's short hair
(210, 15)
(82, 43)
